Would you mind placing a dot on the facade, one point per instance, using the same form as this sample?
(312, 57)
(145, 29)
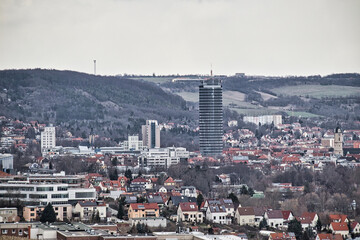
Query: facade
(274, 218)
(188, 212)
(338, 142)
(14, 230)
(151, 134)
(33, 213)
(9, 215)
(133, 144)
(265, 119)
(85, 210)
(48, 139)
(162, 157)
(143, 210)
(6, 162)
(188, 191)
(340, 228)
(218, 214)
(245, 216)
(210, 117)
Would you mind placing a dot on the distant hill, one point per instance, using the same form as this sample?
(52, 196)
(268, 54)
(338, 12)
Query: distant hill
(67, 97)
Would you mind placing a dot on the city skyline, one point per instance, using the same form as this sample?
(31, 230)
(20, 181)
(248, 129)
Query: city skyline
(273, 38)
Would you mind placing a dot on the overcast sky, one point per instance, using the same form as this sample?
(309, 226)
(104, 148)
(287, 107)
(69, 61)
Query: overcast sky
(263, 37)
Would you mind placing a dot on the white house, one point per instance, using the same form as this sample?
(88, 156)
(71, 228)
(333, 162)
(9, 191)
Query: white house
(274, 218)
(245, 216)
(218, 214)
(87, 209)
(188, 212)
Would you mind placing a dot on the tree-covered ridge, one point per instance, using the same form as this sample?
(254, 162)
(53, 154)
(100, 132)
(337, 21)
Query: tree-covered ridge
(61, 96)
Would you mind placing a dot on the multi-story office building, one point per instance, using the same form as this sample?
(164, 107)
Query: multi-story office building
(151, 134)
(210, 117)
(48, 138)
(162, 157)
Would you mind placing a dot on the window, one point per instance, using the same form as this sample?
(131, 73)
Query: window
(4, 231)
(13, 231)
(32, 214)
(20, 232)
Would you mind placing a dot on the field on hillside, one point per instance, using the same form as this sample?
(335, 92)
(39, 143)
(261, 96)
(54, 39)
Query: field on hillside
(157, 80)
(318, 91)
(229, 97)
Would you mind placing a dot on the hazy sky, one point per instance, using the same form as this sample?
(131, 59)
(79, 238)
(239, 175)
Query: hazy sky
(264, 37)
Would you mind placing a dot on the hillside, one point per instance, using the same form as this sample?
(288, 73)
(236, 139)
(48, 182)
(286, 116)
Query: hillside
(82, 101)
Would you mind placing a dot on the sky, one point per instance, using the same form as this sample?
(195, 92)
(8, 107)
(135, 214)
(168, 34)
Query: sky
(255, 37)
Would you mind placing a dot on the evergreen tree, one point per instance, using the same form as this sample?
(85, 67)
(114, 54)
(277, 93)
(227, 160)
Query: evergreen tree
(199, 200)
(97, 217)
(263, 224)
(235, 199)
(48, 215)
(295, 227)
(128, 174)
(318, 225)
(244, 190)
(121, 212)
(251, 192)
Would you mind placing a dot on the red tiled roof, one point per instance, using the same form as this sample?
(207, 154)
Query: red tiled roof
(169, 180)
(142, 206)
(188, 207)
(339, 226)
(337, 217)
(246, 211)
(286, 214)
(329, 236)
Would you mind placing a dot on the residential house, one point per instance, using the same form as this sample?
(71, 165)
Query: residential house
(155, 198)
(9, 215)
(169, 182)
(188, 191)
(328, 236)
(355, 227)
(245, 216)
(218, 214)
(308, 220)
(282, 236)
(33, 213)
(340, 228)
(174, 201)
(274, 218)
(188, 212)
(228, 203)
(338, 218)
(85, 210)
(143, 210)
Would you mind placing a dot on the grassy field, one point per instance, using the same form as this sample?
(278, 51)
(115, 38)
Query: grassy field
(302, 114)
(229, 97)
(254, 111)
(318, 91)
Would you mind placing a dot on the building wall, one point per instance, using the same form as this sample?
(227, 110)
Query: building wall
(8, 215)
(48, 140)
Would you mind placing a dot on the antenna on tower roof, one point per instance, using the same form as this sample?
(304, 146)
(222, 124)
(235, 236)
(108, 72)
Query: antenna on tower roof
(211, 71)
(94, 67)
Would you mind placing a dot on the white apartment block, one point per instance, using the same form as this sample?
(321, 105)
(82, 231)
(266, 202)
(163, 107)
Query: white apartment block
(265, 119)
(6, 162)
(162, 157)
(133, 143)
(48, 138)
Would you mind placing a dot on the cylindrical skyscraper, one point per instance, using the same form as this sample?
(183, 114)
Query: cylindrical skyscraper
(210, 117)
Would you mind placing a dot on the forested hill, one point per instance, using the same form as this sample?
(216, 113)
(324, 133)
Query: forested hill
(71, 97)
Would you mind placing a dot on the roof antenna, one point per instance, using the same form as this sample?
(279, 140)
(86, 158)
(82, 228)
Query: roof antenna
(211, 71)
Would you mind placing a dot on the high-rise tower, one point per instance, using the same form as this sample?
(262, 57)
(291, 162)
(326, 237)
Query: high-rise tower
(151, 134)
(210, 117)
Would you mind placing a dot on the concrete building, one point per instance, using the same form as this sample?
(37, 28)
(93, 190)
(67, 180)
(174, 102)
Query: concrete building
(151, 134)
(162, 157)
(6, 162)
(210, 117)
(264, 119)
(133, 143)
(85, 210)
(143, 210)
(48, 140)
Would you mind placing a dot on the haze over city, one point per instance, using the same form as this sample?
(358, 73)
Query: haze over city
(169, 37)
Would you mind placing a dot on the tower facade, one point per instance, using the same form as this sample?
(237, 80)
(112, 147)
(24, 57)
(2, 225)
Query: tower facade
(48, 138)
(338, 142)
(151, 134)
(210, 117)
